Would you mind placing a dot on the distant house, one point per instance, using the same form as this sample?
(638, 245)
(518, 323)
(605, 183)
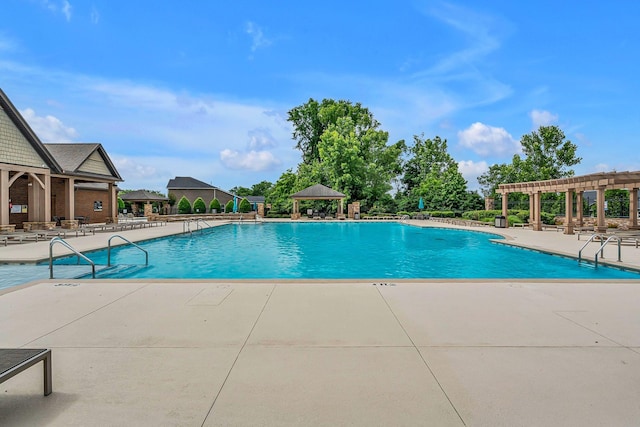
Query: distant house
(192, 188)
(43, 183)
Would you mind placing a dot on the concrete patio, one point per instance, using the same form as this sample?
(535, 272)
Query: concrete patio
(486, 353)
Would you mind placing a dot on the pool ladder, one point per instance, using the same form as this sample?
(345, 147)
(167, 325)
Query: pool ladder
(79, 254)
(186, 226)
(59, 240)
(600, 250)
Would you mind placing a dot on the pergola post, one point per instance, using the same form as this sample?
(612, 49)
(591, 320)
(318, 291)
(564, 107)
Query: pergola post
(633, 209)
(4, 197)
(532, 209)
(505, 203)
(601, 226)
(579, 209)
(70, 208)
(537, 197)
(568, 208)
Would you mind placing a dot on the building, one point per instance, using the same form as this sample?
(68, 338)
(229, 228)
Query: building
(191, 189)
(71, 182)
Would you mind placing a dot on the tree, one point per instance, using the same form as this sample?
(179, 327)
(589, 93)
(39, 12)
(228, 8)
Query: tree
(214, 206)
(241, 191)
(229, 206)
(199, 206)
(120, 204)
(280, 196)
(312, 119)
(244, 206)
(360, 165)
(432, 174)
(547, 155)
(261, 189)
(172, 199)
(184, 206)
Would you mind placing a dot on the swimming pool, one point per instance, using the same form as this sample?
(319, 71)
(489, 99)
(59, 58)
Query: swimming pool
(338, 250)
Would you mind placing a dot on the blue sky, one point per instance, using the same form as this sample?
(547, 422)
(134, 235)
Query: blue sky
(202, 88)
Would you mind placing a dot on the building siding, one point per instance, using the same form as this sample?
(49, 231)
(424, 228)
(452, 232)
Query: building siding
(15, 148)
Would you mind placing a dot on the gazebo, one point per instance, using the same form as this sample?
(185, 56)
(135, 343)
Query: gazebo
(577, 184)
(142, 197)
(317, 192)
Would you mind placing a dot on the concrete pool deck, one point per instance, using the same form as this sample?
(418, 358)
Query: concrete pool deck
(481, 352)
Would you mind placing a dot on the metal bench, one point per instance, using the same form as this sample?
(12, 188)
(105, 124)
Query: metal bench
(15, 360)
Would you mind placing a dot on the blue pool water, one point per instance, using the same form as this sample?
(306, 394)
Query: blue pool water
(342, 250)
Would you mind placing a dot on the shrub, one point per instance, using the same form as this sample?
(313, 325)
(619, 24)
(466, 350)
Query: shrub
(244, 206)
(229, 206)
(199, 206)
(215, 205)
(184, 206)
(120, 204)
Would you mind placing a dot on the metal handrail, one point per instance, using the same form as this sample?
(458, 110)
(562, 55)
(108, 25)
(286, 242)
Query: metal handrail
(146, 262)
(589, 240)
(198, 221)
(601, 250)
(72, 249)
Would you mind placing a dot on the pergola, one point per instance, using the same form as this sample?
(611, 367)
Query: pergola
(316, 192)
(578, 184)
(143, 197)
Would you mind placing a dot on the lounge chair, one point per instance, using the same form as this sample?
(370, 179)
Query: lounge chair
(18, 237)
(15, 360)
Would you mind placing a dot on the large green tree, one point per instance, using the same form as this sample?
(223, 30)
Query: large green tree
(546, 155)
(432, 174)
(343, 148)
(312, 119)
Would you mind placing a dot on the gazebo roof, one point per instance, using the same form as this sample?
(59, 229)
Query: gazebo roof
(318, 191)
(609, 180)
(142, 196)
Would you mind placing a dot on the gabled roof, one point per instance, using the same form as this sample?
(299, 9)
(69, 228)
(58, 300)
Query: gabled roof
(188, 183)
(83, 159)
(318, 191)
(142, 195)
(24, 128)
(255, 199)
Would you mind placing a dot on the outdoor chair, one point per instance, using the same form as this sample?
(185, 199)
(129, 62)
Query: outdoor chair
(15, 360)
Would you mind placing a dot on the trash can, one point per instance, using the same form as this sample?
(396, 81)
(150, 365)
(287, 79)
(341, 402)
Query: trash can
(356, 215)
(501, 221)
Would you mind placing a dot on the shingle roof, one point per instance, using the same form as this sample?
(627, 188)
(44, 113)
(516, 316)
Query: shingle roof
(71, 156)
(186, 182)
(142, 195)
(255, 199)
(7, 106)
(318, 191)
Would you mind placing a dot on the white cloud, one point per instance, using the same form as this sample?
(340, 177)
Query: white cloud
(488, 140)
(471, 170)
(95, 15)
(542, 118)
(258, 39)
(602, 167)
(260, 138)
(252, 160)
(49, 128)
(66, 10)
(63, 7)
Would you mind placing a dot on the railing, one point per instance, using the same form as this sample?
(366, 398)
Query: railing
(601, 250)
(602, 245)
(72, 249)
(146, 261)
(186, 225)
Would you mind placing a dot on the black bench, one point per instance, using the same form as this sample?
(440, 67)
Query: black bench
(15, 360)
